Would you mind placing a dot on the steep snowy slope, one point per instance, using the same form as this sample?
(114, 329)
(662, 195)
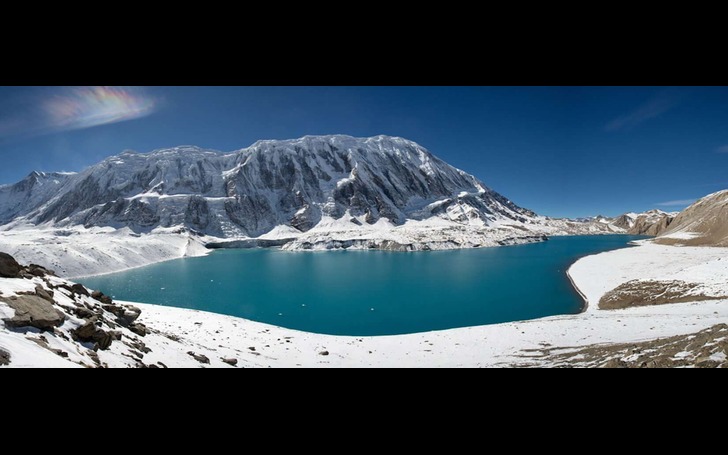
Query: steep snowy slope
(29, 193)
(272, 183)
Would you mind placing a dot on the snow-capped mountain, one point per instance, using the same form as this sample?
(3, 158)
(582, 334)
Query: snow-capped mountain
(32, 191)
(651, 222)
(272, 183)
(316, 192)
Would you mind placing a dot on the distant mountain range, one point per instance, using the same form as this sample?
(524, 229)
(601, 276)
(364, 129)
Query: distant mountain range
(249, 192)
(315, 192)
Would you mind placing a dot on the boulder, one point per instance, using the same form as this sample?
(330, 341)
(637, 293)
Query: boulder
(33, 311)
(230, 361)
(90, 332)
(9, 268)
(129, 315)
(4, 358)
(199, 357)
(79, 289)
(125, 314)
(139, 328)
(101, 297)
(83, 312)
(37, 270)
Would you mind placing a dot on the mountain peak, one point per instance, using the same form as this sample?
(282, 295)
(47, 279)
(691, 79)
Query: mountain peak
(295, 183)
(337, 140)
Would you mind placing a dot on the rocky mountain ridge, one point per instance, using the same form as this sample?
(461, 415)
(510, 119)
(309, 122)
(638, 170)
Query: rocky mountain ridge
(652, 222)
(253, 190)
(704, 223)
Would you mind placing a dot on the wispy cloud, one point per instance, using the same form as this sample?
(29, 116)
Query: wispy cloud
(722, 149)
(654, 107)
(676, 203)
(75, 108)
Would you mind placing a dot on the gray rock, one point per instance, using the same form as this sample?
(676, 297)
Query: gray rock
(90, 332)
(101, 297)
(9, 268)
(39, 271)
(324, 353)
(83, 312)
(4, 358)
(94, 356)
(80, 289)
(199, 357)
(129, 315)
(44, 293)
(139, 328)
(230, 361)
(33, 311)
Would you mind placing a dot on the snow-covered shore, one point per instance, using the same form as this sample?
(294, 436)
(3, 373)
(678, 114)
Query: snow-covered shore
(493, 345)
(255, 344)
(77, 251)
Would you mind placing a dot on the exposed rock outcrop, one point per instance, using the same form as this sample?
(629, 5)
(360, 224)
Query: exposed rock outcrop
(707, 348)
(652, 292)
(652, 222)
(9, 268)
(33, 311)
(81, 327)
(90, 332)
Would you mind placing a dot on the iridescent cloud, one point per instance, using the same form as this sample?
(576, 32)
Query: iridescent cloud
(53, 109)
(83, 107)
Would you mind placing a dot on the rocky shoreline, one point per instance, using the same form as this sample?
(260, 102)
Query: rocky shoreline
(95, 331)
(68, 320)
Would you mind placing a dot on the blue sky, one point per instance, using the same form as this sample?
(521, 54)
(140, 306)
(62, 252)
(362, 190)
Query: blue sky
(561, 151)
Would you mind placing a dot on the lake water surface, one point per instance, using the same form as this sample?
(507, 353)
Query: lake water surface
(369, 292)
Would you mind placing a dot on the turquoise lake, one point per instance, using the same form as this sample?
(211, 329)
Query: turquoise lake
(369, 292)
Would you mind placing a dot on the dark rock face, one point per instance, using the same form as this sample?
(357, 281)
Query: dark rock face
(623, 221)
(197, 215)
(5, 358)
(33, 311)
(9, 268)
(653, 225)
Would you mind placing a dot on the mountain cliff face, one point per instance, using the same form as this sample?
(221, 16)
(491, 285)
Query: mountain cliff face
(705, 223)
(32, 191)
(651, 222)
(294, 183)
